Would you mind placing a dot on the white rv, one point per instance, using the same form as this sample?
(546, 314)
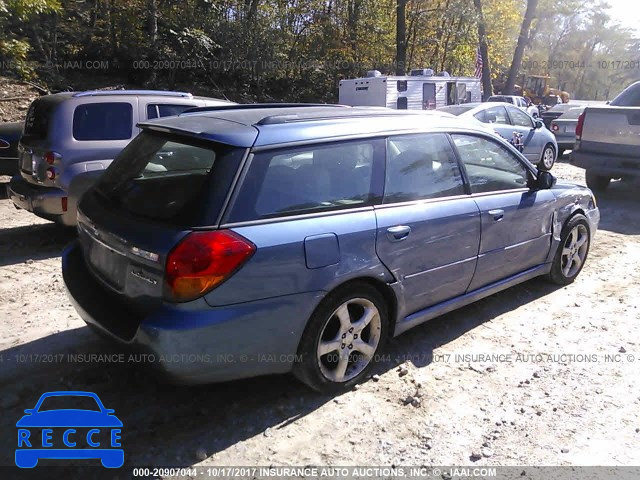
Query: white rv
(420, 90)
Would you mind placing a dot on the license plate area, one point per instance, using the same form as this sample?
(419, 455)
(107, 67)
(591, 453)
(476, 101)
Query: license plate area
(110, 265)
(25, 161)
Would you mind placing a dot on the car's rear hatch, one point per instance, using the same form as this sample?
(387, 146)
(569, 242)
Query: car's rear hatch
(36, 139)
(158, 190)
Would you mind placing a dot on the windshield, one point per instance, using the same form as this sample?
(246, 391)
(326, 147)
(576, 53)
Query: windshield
(499, 98)
(573, 113)
(69, 402)
(456, 109)
(174, 179)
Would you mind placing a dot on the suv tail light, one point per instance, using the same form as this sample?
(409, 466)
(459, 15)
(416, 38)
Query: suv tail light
(579, 126)
(202, 261)
(555, 127)
(51, 157)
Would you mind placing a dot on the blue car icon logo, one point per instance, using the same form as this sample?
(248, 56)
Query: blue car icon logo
(69, 425)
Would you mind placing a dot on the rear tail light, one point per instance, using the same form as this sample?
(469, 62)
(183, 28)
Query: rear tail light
(51, 157)
(554, 127)
(202, 261)
(64, 203)
(51, 173)
(579, 126)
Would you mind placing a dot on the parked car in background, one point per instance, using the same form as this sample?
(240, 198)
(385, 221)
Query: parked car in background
(608, 139)
(519, 102)
(537, 143)
(78, 134)
(554, 112)
(270, 240)
(564, 128)
(10, 134)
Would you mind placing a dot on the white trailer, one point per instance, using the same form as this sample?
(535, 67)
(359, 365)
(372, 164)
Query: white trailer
(422, 90)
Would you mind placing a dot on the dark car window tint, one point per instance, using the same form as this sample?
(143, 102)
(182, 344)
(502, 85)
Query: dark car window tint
(629, 97)
(519, 118)
(312, 178)
(497, 114)
(157, 110)
(489, 165)
(103, 121)
(171, 179)
(421, 167)
(69, 402)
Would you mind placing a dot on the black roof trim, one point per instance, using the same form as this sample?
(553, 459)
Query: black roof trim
(256, 106)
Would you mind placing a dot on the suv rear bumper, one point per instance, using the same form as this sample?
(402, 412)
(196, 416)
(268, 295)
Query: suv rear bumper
(194, 343)
(43, 201)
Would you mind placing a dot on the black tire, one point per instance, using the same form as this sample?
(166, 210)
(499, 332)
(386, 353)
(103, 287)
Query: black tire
(541, 164)
(312, 367)
(559, 273)
(597, 183)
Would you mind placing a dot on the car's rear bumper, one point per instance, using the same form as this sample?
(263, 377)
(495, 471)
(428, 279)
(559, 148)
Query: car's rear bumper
(49, 203)
(111, 458)
(195, 343)
(607, 165)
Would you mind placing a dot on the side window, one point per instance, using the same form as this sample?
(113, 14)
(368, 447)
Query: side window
(497, 114)
(103, 121)
(157, 110)
(309, 179)
(519, 118)
(420, 167)
(490, 166)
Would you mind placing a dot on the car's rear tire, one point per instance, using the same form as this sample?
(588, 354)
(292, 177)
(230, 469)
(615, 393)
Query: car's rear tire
(572, 252)
(548, 158)
(597, 183)
(342, 338)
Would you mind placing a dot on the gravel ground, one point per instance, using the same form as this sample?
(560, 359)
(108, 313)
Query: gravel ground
(520, 378)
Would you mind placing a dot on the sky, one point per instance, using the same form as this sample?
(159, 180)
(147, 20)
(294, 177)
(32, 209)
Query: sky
(626, 12)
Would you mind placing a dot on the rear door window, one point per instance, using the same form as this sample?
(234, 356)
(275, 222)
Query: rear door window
(519, 118)
(310, 179)
(171, 179)
(497, 114)
(159, 110)
(103, 121)
(421, 167)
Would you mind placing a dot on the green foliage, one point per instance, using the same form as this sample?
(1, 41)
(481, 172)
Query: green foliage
(297, 49)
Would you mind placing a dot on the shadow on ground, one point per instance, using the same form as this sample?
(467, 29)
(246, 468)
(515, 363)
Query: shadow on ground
(33, 242)
(166, 425)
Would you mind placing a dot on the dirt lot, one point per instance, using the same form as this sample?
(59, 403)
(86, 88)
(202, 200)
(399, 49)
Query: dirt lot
(551, 399)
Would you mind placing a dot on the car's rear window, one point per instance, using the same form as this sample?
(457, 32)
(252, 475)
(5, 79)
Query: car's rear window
(310, 179)
(158, 110)
(36, 124)
(69, 402)
(172, 179)
(455, 110)
(103, 121)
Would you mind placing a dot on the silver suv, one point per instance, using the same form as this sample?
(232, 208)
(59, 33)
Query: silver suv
(74, 136)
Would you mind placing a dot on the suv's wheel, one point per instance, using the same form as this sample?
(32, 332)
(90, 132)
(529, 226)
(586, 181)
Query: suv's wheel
(342, 338)
(572, 251)
(597, 183)
(548, 158)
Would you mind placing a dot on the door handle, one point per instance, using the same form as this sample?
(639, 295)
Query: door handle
(497, 214)
(398, 233)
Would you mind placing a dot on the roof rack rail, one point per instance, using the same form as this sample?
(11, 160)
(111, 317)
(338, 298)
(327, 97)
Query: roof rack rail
(255, 106)
(294, 117)
(162, 93)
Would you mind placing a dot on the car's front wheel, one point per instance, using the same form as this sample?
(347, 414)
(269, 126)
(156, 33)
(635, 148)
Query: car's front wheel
(548, 158)
(597, 183)
(343, 336)
(572, 252)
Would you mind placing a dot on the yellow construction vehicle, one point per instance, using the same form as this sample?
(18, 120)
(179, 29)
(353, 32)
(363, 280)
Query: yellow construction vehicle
(537, 88)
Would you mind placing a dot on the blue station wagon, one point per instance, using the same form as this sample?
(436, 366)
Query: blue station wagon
(249, 240)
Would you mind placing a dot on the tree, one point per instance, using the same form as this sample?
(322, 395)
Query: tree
(523, 39)
(401, 37)
(484, 51)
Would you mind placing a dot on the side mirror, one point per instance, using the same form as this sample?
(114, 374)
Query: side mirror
(538, 124)
(545, 180)
(29, 411)
(109, 411)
